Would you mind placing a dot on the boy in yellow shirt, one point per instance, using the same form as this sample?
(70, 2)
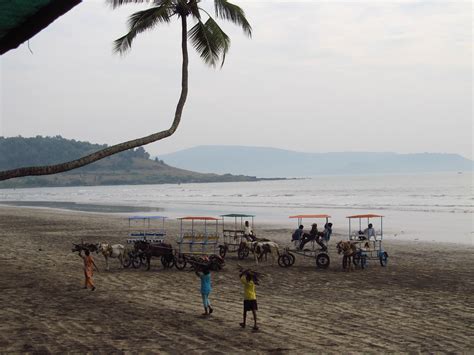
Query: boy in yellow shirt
(250, 297)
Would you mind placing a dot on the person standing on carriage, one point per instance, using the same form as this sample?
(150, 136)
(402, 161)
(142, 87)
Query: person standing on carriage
(206, 289)
(89, 266)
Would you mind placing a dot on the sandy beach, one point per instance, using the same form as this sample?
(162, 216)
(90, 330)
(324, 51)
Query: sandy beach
(423, 301)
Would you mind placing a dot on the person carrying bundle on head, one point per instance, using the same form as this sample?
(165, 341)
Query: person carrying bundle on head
(249, 279)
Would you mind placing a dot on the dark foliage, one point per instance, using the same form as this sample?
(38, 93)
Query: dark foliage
(16, 152)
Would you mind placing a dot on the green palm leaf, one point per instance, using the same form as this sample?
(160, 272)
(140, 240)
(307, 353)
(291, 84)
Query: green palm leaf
(209, 41)
(233, 13)
(142, 21)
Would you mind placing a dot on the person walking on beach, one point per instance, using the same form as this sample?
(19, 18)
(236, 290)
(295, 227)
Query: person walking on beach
(89, 266)
(249, 280)
(206, 289)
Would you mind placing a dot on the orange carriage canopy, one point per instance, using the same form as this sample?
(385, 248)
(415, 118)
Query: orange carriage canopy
(311, 216)
(365, 216)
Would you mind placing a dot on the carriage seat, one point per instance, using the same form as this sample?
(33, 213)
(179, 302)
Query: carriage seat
(151, 237)
(199, 239)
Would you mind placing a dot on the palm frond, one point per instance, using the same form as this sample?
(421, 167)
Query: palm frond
(209, 41)
(142, 21)
(194, 9)
(118, 3)
(233, 13)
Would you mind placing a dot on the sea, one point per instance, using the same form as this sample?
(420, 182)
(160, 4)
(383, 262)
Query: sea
(427, 207)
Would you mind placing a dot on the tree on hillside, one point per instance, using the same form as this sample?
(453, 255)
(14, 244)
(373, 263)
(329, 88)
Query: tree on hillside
(206, 36)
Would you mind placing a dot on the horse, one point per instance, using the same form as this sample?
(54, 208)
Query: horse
(112, 251)
(349, 251)
(261, 249)
(162, 250)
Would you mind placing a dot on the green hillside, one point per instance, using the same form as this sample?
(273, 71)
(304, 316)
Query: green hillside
(131, 167)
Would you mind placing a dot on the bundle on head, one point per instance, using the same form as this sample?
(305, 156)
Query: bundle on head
(254, 275)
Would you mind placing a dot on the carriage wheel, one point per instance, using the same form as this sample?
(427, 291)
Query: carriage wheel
(167, 261)
(180, 262)
(284, 260)
(142, 258)
(292, 258)
(136, 262)
(384, 259)
(127, 260)
(242, 253)
(222, 250)
(322, 260)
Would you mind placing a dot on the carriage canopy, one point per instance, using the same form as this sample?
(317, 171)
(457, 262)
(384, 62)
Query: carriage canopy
(301, 216)
(370, 215)
(199, 218)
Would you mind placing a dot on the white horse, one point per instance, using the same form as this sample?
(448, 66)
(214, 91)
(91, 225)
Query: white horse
(260, 249)
(111, 251)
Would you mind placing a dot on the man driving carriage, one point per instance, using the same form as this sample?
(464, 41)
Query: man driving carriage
(297, 235)
(248, 232)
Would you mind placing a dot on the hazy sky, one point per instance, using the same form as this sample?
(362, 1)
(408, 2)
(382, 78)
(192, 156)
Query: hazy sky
(317, 76)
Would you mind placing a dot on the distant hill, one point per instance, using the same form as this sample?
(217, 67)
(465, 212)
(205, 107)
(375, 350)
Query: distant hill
(266, 162)
(131, 167)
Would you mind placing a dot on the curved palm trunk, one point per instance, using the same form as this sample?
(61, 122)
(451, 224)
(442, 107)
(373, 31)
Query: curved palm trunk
(74, 164)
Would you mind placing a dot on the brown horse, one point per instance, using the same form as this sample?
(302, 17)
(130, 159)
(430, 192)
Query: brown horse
(349, 251)
(163, 250)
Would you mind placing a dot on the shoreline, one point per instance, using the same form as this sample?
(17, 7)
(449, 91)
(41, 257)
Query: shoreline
(126, 210)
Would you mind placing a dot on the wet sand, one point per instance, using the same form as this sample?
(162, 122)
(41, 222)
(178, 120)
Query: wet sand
(421, 302)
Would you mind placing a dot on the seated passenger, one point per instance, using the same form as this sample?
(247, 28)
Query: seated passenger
(248, 232)
(297, 234)
(370, 232)
(313, 235)
(323, 238)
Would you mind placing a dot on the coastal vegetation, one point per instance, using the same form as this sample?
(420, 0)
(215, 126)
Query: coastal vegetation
(131, 167)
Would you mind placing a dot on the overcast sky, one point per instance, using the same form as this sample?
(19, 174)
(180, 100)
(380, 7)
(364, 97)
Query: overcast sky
(317, 76)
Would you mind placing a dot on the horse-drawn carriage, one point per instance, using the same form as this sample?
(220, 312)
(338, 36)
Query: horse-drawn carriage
(367, 242)
(147, 234)
(197, 243)
(287, 257)
(233, 235)
(147, 228)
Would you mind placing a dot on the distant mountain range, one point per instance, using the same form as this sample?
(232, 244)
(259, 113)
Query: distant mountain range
(272, 162)
(131, 167)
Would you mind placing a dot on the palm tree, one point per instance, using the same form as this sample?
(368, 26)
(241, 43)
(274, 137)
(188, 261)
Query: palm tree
(208, 39)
